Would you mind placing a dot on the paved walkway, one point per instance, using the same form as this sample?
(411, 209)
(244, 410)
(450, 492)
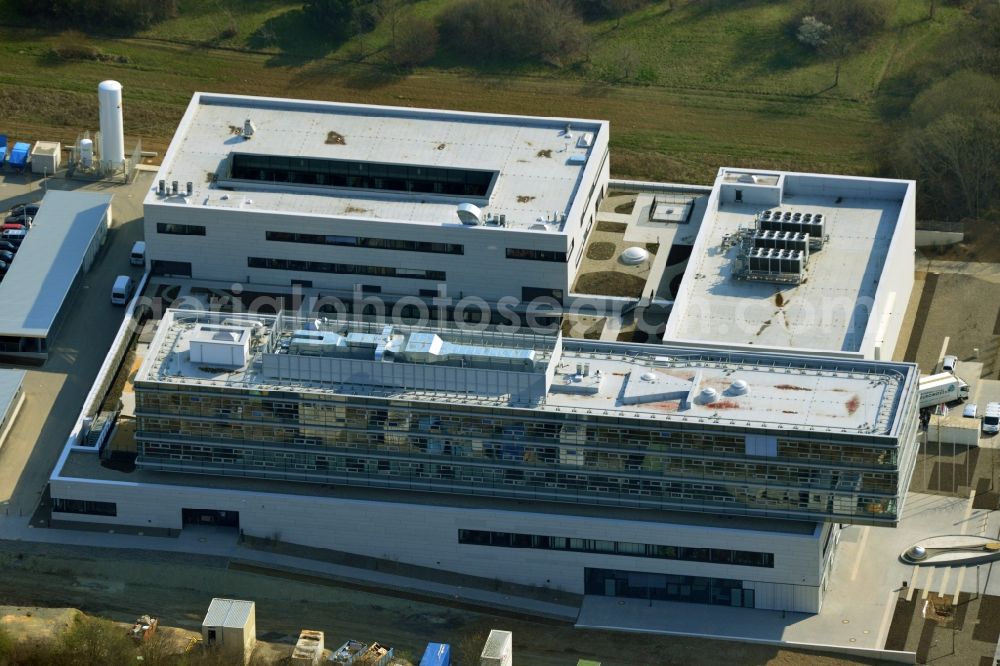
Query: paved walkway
(981, 270)
(866, 580)
(220, 542)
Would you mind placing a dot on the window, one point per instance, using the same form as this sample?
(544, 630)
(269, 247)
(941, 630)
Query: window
(536, 255)
(542, 542)
(353, 174)
(344, 269)
(531, 293)
(365, 242)
(87, 507)
(174, 268)
(180, 229)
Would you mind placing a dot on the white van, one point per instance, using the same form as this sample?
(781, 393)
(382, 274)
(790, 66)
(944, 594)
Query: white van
(122, 290)
(137, 257)
(991, 418)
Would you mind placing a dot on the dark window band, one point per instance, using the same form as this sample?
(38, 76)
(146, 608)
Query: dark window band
(536, 255)
(180, 229)
(353, 174)
(362, 241)
(344, 269)
(746, 558)
(84, 506)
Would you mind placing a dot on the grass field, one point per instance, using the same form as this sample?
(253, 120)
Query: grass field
(730, 86)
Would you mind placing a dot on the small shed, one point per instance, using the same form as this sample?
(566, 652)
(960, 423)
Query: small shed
(45, 157)
(230, 625)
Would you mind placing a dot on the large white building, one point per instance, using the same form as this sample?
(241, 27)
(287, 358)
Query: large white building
(716, 468)
(390, 200)
(441, 447)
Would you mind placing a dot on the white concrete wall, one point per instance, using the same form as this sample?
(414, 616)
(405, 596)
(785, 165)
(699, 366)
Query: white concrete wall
(895, 284)
(927, 238)
(483, 270)
(427, 535)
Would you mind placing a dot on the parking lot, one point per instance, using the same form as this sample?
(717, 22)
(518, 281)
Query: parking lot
(55, 391)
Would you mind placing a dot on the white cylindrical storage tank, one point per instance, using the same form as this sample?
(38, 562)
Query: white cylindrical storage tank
(86, 153)
(109, 96)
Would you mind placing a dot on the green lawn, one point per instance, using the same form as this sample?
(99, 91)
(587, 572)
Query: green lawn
(729, 86)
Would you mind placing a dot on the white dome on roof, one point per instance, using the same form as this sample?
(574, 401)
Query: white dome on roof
(634, 256)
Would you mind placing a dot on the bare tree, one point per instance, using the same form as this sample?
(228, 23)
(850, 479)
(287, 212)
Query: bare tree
(390, 12)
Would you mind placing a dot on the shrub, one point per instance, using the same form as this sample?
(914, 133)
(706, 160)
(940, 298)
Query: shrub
(494, 30)
(416, 42)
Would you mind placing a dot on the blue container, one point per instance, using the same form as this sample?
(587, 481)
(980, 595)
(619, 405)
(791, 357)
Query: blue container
(436, 654)
(19, 155)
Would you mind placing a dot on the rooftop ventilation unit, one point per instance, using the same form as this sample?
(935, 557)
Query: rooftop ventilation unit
(772, 265)
(781, 240)
(739, 387)
(808, 223)
(248, 129)
(470, 214)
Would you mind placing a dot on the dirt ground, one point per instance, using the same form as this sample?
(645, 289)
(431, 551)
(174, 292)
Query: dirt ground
(122, 584)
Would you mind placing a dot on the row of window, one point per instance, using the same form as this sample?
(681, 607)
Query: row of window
(361, 175)
(536, 255)
(88, 507)
(363, 241)
(180, 229)
(745, 558)
(567, 485)
(668, 587)
(344, 269)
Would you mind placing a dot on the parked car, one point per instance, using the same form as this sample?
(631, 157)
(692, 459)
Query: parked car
(8, 246)
(949, 363)
(14, 236)
(971, 411)
(4, 267)
(24, 220)
(6, 256)
(30, 210)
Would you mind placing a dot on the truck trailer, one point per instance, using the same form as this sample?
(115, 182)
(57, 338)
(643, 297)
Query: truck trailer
(942, 387)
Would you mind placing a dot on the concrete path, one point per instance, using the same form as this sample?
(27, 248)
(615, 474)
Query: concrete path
(983, 271)
(866, 580)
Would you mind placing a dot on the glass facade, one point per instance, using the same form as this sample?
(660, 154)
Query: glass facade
(746, 558)
(667, 587)
(518, 453)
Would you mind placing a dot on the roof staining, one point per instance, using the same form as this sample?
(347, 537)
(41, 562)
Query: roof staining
(539, 165)
(745, 389)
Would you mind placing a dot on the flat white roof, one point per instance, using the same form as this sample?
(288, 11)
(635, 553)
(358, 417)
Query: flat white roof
(830, 309)
(47, 263)
(733, 387)
(539, 167)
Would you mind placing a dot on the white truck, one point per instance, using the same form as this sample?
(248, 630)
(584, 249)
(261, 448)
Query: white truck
(991, 417)
(942, 387)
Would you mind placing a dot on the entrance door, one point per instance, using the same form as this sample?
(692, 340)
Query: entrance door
(210, 517)
(609, 587)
